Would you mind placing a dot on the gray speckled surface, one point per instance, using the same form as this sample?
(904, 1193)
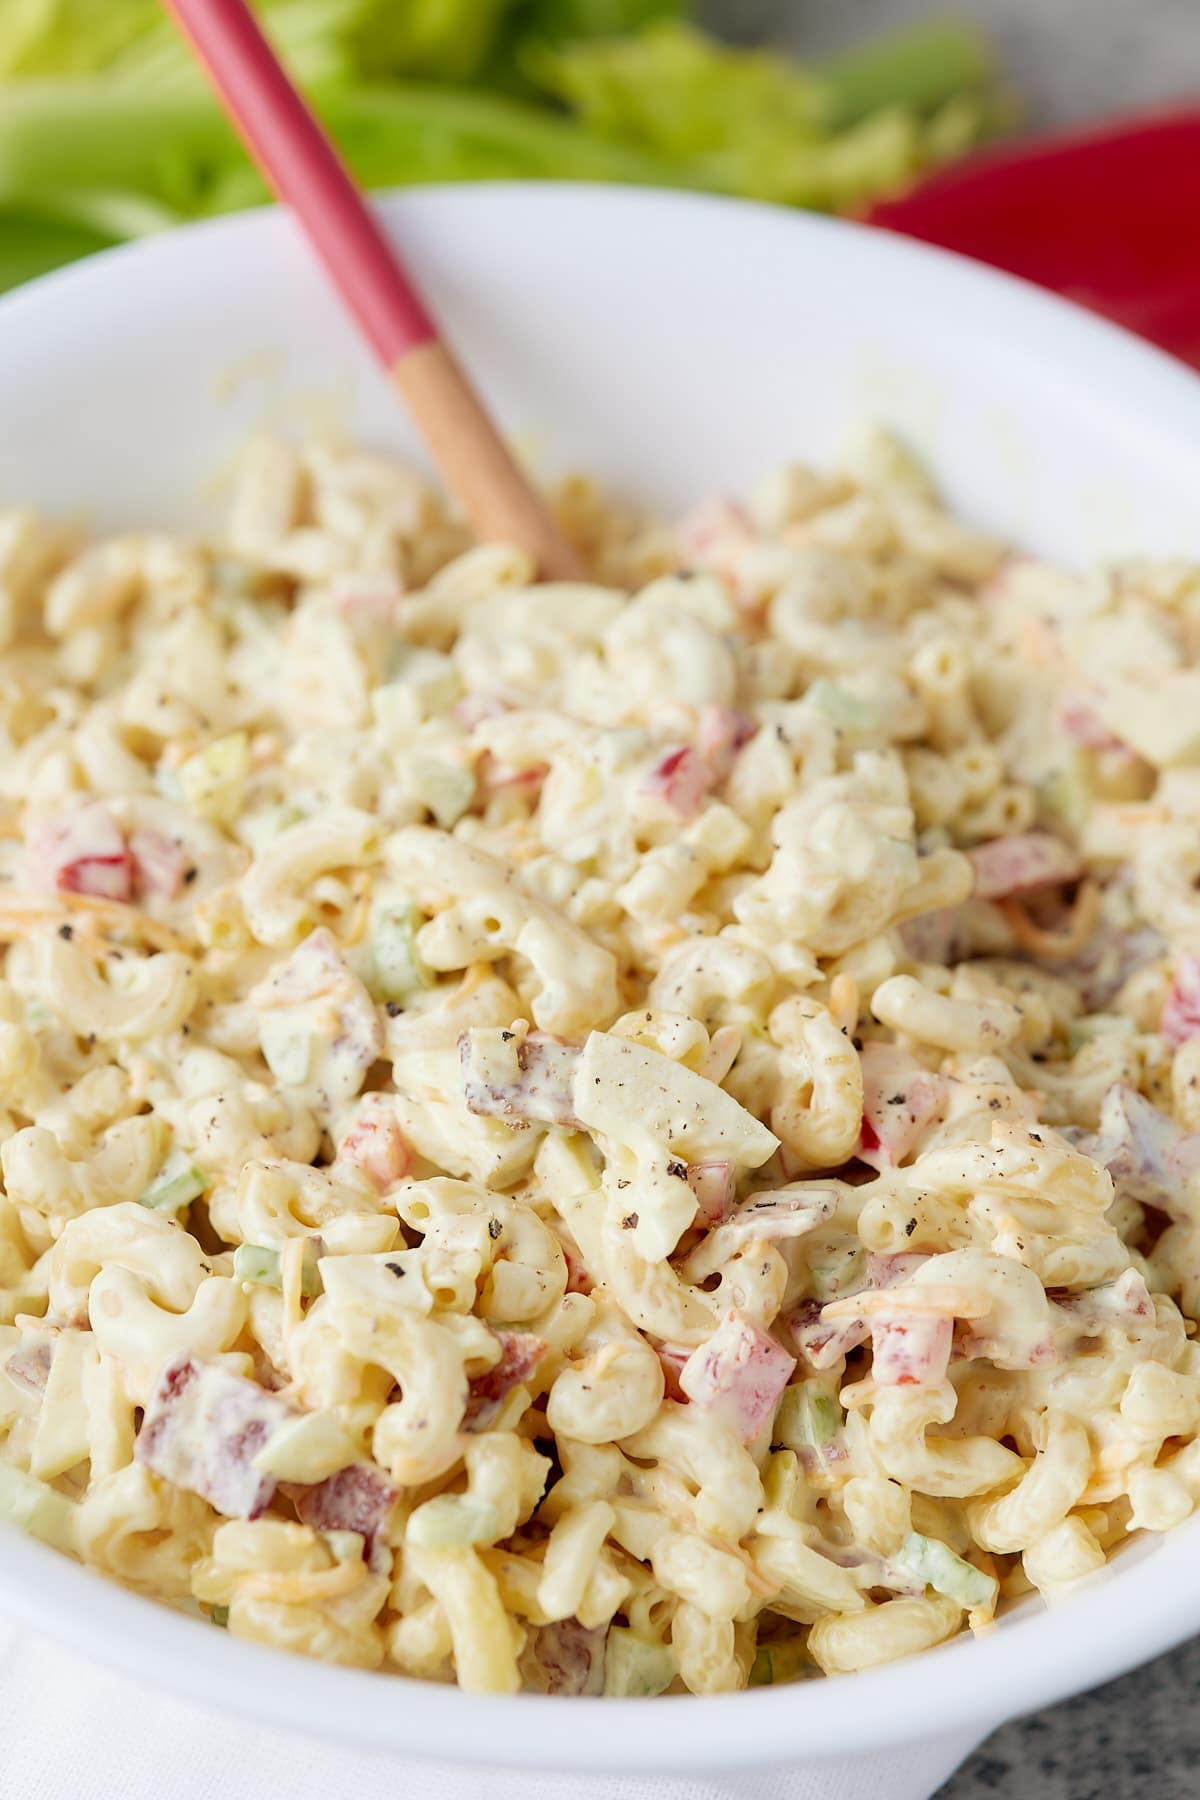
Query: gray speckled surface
(1137, 1738)
(1069, 58)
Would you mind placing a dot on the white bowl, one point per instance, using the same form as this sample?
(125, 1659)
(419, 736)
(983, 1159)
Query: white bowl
(675, 346)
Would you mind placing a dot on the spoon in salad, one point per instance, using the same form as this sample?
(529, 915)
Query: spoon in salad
(304, 170)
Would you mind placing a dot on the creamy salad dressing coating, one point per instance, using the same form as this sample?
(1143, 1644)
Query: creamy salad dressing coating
(604, 1139)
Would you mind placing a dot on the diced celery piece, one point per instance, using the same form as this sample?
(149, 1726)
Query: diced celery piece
(934, 1563)
(785, 1660)
(176, 1185)
(634, 1665)
(397, 968)
(287, 1050)
(449, 1520)
(213, 781)
(425, 682)
(842, 1272)
(446, 788)
(782, 1481)
(807, 1415)
(37, 1508)
(840, 706)
(1067, 795)
(263, 1266)
(1097, 1025)
(219, 1616)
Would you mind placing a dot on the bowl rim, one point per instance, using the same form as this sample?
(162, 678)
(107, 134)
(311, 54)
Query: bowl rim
(1029, 1659)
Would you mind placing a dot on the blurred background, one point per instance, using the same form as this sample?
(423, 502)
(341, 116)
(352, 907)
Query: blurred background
(922, 119)
(1068, 59)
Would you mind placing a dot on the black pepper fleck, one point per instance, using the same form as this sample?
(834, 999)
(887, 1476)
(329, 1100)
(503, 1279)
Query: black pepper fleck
(910, 1228)
(394, 1269)
(393, 1009)
(494, 1229)
(629, 1222)
(678, 1170)
(67, 932)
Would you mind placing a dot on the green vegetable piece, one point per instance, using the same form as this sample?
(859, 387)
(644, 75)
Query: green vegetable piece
(840, 706)
(37, 1508)
(635, 1666)
(920, 66)
(397, 968)
(807, 1416)
(842, 1272)
(107, 130)
(176, 1185)
(934, 1563)
(219, 1615)
(287, 1050)
(214, 779)
(784, 1660)
(446, 788)
(451, 1520)
(263, 1266)
(33, 242)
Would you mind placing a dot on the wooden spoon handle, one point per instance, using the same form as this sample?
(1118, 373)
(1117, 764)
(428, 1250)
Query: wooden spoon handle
(302, 167)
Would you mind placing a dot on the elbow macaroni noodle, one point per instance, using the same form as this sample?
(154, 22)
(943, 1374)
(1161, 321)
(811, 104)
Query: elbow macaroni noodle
(602, 1138)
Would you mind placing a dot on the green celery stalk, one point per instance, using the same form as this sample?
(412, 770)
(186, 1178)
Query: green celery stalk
(176, 1185)
(919, 66)
(262, 1265)
(32, 245)
(177, 151)
(88, 133)
(934, 1563)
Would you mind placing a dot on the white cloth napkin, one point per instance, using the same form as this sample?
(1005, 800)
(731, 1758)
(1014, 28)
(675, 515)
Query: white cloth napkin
(72, 1731)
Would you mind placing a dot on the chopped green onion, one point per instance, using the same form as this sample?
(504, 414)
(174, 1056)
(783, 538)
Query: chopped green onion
(264, 1266)
(219, 1616)
(634, 1666)
(397, 968)
(176, 1185)
(450, 1520)
(934, 1563)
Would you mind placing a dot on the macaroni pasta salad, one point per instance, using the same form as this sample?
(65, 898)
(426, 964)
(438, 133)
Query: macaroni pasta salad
(609, 1138)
